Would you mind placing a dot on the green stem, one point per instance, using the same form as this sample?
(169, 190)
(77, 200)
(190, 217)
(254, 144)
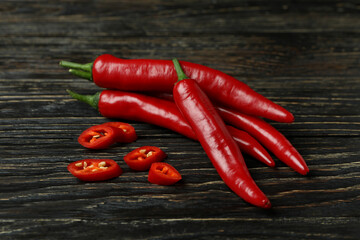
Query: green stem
(179, 71)
(82, 74)
(92, 100)
(84, 67)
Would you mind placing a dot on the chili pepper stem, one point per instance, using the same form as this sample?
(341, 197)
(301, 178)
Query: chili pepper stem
(80, 73)
(80, 70)
(85, 67)
(179, 71)
(92, 100)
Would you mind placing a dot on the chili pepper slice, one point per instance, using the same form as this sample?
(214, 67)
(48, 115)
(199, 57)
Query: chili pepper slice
(141, 158)
(163, 174)
(110, 72)
(91, 170)
(97, 137)
(163, 113)
(215, 139)
(125, 133)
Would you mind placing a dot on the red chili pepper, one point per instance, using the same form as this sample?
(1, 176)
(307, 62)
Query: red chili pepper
(163, 174)
(125, 133)
(108, 71)
(91, 170)
(163, 113)
(263, 132)
(268, 136)
(251, 146)
(97, 137)
(215, 139)
(141, 158)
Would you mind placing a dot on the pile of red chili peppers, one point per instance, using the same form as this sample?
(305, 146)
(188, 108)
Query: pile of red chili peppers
(197, 102)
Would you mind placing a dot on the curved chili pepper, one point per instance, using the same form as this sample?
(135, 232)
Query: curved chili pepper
(263, 132)
(141, 158)
(250, 146)
(215, 139)
(163, 113)
(268, 136)
(163, 174)
(108, 71)
(97, 137)
(91, 170)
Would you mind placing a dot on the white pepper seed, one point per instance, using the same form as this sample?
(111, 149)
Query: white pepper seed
(102, 164)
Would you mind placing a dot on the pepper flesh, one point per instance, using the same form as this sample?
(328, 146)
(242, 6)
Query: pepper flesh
(138, 107)
(141, 158)
(216, 140)
(108, 71)
(92, 170)
(125, 133)
(97, 137)
(163, 174)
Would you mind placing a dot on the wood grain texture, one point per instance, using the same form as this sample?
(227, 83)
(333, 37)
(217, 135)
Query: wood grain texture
(304, 55)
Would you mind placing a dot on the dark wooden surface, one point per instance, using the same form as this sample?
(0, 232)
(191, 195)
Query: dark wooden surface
(304, 55)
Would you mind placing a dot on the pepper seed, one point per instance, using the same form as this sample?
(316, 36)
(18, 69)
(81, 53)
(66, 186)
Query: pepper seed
(102, 164)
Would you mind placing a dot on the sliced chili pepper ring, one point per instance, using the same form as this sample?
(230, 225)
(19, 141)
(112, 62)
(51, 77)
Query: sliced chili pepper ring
(125, 133)
(141, 158)
(163, 174)
(97, 137)
(91, 170)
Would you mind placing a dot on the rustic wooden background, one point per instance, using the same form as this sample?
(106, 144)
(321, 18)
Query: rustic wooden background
(304, 55)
